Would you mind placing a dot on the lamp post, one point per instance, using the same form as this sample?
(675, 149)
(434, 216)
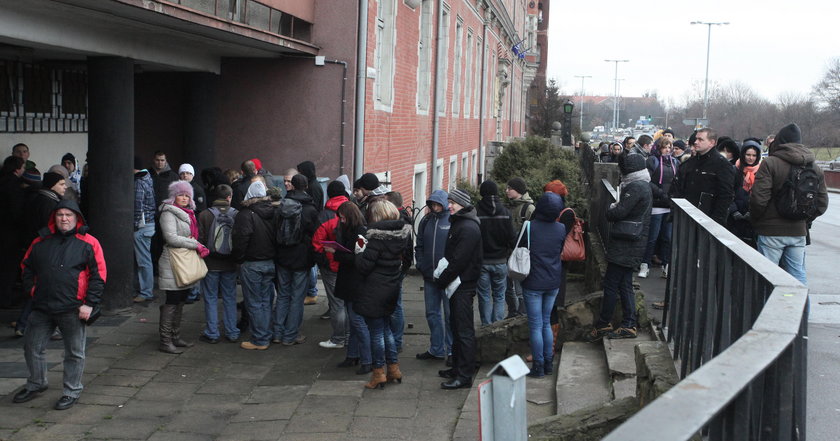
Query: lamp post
(708, 47)
(582, 79)
(615, 97)
(568, 107)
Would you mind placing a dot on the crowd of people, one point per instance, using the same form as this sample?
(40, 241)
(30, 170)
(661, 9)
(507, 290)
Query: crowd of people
(275, 235)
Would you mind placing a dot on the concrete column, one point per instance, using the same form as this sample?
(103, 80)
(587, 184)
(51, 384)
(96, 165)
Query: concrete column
(200, 121)
(110, 163)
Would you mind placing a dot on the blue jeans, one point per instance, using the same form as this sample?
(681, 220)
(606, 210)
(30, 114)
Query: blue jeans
(492, 280)
(440, 332)
(143, 257)
(288, 309)
(312, 283)
(786, 251)
(659, 227)
(539, 305)
(218, 284)
(618, 283)
(382, 344)
(359, 340)
(37, 335)
(397, 322)
(257, 288)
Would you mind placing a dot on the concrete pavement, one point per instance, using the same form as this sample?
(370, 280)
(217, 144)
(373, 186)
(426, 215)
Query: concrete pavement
(222, 392)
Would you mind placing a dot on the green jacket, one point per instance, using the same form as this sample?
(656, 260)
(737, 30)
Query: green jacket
(520, 210)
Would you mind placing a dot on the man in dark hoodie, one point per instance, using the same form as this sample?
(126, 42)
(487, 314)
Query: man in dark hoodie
(706, 180)
(463, 254)
(294, 261)
(144, 229)
(253, 248)
(11, 227)
(780, 239)
(431, 243)
(497, 238)
(313, 189)
(64, 272)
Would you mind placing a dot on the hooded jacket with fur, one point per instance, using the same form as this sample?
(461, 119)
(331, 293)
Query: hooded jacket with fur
(380, 266)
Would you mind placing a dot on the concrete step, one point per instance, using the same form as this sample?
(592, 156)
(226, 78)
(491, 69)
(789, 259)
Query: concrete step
(582, 378)
(621, 364)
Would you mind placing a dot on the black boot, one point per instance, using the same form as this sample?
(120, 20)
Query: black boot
(176, 329)
(167, 315)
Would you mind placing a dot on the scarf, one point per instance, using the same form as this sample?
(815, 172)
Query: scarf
(749, 172)
(641, 175)
(193, 222)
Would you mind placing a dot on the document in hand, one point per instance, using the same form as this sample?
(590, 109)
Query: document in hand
(450, 289)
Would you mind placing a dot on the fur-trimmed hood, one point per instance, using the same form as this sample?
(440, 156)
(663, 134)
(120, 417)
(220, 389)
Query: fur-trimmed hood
(389, 230)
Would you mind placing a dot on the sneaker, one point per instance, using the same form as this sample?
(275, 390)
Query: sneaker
(622, 333)
(250, 346)
(598, 333)
(665, 271)
(206, 339)
(643, 271)
(330, 345)
(325, 316)
(310, 300)
(18, 333)
(427, 356)
(298, 340)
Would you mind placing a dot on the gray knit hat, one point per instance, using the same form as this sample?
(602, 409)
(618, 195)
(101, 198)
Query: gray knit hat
(460, 197)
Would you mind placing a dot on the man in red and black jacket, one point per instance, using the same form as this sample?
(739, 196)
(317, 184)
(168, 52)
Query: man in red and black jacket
(64, 273)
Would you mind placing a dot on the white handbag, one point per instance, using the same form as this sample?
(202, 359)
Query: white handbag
(519, 263)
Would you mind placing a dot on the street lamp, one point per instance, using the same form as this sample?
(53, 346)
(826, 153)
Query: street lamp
(568, 107)
(708, 46)
(615, 97)
(582, 79)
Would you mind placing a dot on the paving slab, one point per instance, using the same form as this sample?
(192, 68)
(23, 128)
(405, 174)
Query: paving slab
(166, 391)
(149, 410)
(199, 421)
(391, 408)
(253, 431)
(268, 412)
(384, 427)
(126, 428)
(621, 358)
(582, 378)
(350, 388)
(163, 435)
(106, 379)
(274, 394)
(328, 404)
(624, 387)
(319, 423)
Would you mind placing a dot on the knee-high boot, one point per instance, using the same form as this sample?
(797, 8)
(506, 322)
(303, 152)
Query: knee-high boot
(176, 329)
(167, 316)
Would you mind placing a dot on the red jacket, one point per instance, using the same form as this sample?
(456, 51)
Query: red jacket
(327, 229)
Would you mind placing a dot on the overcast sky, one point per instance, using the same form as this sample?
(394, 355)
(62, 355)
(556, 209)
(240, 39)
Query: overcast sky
(773, 46)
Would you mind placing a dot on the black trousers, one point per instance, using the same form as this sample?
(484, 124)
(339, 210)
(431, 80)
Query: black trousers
(461, 321)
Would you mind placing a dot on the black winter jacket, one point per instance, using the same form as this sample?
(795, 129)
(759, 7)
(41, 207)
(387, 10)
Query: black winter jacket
(662, 174)
(463, 250)
(348, 281)
(62, 271)
(307, 168)
(301, 256)
(39, 210)
(634, 205)
(379, 264)
(497, 235)
(707, 182)
(253, 232)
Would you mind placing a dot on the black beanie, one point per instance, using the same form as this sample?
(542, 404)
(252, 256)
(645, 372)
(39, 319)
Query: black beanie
(631, 163)
(49, 179)
(299, 182)
(335, 189)
(692, 139)
(790, 134)
(68, 157)
(488, 188)
(518, 184)
(138, 163)
(368, 181)
(679, 144)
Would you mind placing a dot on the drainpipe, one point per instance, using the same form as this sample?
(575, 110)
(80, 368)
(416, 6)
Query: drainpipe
(342, 122)
(361, 90)
(481, 149)
(510, 105)
(438, 84)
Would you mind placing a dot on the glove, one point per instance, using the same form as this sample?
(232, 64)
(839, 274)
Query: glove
(203, 251)
(361, 244)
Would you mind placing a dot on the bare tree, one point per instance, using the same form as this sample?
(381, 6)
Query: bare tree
(828, 89)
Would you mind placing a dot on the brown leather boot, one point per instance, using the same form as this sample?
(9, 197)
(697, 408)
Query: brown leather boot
(377, 379)
(167, 315)
(394, 373)
(555, 329)
(176, 329)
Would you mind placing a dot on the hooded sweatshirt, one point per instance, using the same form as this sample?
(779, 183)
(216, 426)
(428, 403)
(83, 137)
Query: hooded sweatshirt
(431, 237)
(771, 176)
(521, 210)
(497, 234)
(307, 168)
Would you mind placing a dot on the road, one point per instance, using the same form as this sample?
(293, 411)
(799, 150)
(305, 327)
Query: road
(824, 325)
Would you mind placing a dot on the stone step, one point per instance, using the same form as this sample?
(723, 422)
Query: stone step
(582, 377)
(621, 364)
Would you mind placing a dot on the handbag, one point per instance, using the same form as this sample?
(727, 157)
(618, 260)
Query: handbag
(574, 249)
(187, 266)
(626, 230)
(519, 263)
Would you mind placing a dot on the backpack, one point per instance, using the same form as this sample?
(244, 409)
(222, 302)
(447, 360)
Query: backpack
(574, 249)
(797, 199)
(219, 238)
(287, 230)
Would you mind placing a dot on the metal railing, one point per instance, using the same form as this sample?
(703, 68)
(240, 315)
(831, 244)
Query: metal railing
(738, 325)
(607, 194)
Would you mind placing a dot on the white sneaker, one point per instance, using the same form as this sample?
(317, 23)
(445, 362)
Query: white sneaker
(665, 271)
(643, 271)
(330, 345)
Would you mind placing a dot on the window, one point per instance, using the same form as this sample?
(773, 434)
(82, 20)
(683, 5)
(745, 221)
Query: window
(465, 168)
(42, 98)
(453, 172)
(456, 82)
(468, 75)
(443, 60)
(424, 57)
(384, 54)
(474, 167)
(419, 190)
(477, 86)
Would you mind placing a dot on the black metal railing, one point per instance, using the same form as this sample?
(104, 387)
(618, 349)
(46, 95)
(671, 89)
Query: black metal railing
(738, 327)
(256, 13)
(606, 195)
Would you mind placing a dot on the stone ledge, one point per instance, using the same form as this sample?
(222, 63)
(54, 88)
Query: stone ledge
(655, 372)
(589, 424)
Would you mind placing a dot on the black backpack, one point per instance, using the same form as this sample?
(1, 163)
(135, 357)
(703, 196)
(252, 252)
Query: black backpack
(287, 230)
(797, 199)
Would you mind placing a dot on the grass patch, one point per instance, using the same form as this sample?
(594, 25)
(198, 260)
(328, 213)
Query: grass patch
(826, 153)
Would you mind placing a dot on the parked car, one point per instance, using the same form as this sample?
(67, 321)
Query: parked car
(835, 164)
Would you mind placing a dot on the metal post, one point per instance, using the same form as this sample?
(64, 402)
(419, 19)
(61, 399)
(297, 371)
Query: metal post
(582, 79)
(615, 96)
(708, 49)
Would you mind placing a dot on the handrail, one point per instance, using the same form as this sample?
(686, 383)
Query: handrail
(738, 324)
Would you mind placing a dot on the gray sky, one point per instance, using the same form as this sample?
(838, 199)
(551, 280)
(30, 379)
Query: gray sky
(773, 46)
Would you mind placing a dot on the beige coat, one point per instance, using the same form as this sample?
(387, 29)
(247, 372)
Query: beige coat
(175, 226)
